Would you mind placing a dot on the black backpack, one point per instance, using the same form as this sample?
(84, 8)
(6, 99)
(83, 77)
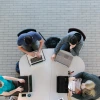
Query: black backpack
(51, 42)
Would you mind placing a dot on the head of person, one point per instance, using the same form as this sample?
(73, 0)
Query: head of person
(88, 88)
(73, 41)
(28, 40)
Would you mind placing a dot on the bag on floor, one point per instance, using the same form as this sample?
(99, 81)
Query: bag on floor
(52, 42)
(17, 68)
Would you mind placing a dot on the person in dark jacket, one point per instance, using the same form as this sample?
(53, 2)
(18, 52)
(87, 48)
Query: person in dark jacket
(90, 86)
(72, 43)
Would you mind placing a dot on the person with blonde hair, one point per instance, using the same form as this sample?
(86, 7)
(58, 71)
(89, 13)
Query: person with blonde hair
(89, 87)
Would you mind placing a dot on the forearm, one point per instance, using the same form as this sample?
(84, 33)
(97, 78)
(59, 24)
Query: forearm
(22, 49)
(74, 53)
(79, 75)
(56, 50)
(9, 93)
(10, 78)
(69, 97)
(41, 45)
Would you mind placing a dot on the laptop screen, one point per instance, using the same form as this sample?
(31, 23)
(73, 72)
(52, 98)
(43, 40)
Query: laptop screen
(34, 60)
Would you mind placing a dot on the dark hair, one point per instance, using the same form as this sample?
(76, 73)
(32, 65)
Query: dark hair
(28, 39)
(0, 84)
(73, 40)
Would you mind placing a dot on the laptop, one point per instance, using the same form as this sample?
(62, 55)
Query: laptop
(64, 57)
(34, 60)
(62, 84)
(28, 83)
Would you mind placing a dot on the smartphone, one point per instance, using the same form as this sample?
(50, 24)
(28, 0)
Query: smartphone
(23, 95)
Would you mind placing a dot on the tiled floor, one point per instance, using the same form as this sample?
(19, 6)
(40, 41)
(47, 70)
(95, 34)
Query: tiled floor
(51, 18)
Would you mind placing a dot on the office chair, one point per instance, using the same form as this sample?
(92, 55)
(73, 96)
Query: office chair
(77, 30)
(25, 31)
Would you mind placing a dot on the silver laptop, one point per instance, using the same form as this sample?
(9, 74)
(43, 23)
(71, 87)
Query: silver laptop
(64, 57)
(34, 60)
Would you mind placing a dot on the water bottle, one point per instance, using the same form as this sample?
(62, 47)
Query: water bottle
(29, 95)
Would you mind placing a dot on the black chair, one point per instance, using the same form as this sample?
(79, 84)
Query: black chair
(28, 30)
(25, 31)
(77, 30)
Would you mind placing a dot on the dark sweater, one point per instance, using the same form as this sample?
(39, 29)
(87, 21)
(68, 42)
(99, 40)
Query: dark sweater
(66, 39)
(85, 76)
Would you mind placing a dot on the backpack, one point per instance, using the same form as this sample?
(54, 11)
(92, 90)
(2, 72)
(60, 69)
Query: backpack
(17, 68)
(52, 42)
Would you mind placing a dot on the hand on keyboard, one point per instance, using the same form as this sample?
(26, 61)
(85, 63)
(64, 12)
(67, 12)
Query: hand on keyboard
(31, 54)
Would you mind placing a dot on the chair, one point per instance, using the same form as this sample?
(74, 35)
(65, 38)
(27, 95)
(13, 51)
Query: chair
(28, 30)
(77, 30)
(25, 31)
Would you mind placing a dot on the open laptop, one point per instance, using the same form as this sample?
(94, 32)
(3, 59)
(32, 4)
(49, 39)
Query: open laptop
(28, 83)
(34, 60)
(27, 86)
(64, 57)
(62, 84)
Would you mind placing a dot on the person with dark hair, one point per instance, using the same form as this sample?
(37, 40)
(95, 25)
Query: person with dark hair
(72, 43)
(8, 86)
(28, 42)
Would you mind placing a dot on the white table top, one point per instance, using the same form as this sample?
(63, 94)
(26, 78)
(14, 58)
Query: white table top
(44, 76)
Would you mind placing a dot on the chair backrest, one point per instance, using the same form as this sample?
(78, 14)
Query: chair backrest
(25, 31)
(77, 30)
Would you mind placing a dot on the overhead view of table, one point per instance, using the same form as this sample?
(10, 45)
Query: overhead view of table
(44, 76)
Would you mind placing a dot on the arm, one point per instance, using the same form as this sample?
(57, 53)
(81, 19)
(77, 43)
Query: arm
(22, 49)
(64, 40)
(14, 79)
(69, 97)
(12, 91)
(80, 97)
(10, 78)
(8, 93)
(75, 51)
(41, 45)
(84, 75)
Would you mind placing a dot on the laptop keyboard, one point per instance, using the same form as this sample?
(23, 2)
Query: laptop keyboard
(35, 59)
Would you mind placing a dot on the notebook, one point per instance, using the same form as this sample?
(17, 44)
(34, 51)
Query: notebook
(34, 60)
(64, 57)
(71, 86)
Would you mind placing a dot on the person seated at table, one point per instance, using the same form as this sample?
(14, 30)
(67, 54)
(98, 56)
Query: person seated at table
(8, 86)
(72, 43)
(89, 88)
(28, 42)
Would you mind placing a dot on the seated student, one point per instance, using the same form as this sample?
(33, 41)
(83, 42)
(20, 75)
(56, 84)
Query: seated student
(7, 86)
(89, 89)
(28, 42)
(72, 43)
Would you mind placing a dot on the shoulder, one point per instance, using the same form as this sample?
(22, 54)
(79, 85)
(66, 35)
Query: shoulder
(21, 36)
(31, 33)
(1, 77)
